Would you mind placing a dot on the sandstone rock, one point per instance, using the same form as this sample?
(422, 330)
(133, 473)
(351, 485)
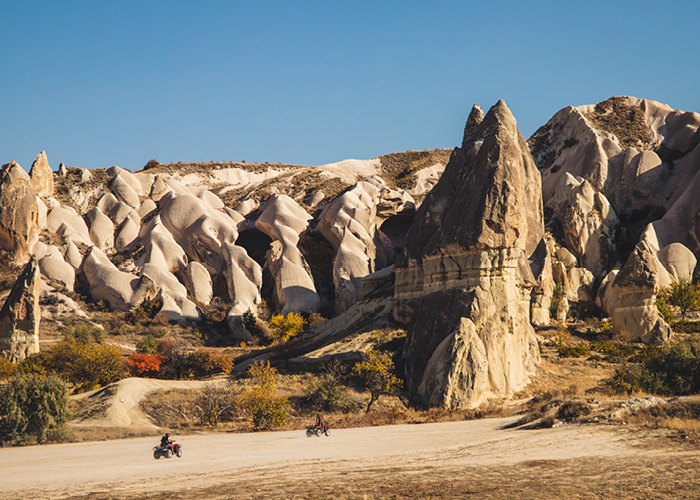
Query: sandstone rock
(62, 172)
(19, 214)
(351, 224)
(121, 290)
(541, 296)
(146, 181)
(678, 261)
(72, 255)
(588, 223)
(635, 312)
(159, 188)
(42, 175)
(85, 175)
(127, 235)
(465, 265)
(198, 281)
(124, 191)
(52, 265)
(244, 279)
(64, 220)
(101, 229)
(159, 246)
(43, 212)
(200, 230)
(173, 294)
(147, 208)
(20, 316)
(126, 177)
(562, 310)
(283, 220)
(566, 258)
(606, 298)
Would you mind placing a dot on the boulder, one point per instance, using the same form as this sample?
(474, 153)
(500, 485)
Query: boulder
(19, 214)
(121, 290)
(465, 265)
(64, 221)
(282, 219)
(147, 207)
(101, 229)
(605, 297)
(127, 235)
(678, 261)
(72, 255)
(124, 191)
(20, 315)
(52, 265)
(635, 313)
(42, 175)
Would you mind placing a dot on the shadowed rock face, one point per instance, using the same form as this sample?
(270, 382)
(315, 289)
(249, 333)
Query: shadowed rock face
(465, 271)
(20, 316)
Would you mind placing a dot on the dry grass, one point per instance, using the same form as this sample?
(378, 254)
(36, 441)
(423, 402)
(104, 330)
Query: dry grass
(626, 122)
(399, 169)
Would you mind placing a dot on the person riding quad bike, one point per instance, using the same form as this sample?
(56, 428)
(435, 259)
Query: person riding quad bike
(165, 440)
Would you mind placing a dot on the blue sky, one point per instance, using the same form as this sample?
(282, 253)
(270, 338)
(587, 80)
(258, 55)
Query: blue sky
(98, 83)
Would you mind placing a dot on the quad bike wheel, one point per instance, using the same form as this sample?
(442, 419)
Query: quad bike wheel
(328, 432)
(179, 453)
(319, 432)
(168, 453)
(156, 454)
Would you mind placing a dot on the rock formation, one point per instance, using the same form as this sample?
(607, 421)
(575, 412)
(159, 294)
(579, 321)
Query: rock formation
(42, 175)
(465, 270)
(282, 219)
(19, 215)
(20, 316)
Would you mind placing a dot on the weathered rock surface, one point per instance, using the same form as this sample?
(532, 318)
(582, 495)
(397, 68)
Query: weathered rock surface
(20, 316)
(244, 279)
(636, 284)
(19, 214)
(351, 224)
(101, 229)
(282, 219)
(52, 265)
(198, 282)
(42, 175)
(465, 267)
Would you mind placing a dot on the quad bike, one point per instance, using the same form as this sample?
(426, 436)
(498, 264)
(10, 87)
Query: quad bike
(167, 451)
(318, 430)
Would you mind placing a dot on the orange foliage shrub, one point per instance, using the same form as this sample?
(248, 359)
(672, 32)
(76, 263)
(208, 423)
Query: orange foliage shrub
(143, 364)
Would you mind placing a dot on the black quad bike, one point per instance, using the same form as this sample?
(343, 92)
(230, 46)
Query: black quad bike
(167, 451)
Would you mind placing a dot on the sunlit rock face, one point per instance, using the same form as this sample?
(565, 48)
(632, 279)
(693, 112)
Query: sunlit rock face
(19, 215)
(465, 271)
(20, 316)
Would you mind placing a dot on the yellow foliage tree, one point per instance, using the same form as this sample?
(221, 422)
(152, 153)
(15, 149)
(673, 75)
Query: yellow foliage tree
(377, 371)
(266, 409)
(286, 326)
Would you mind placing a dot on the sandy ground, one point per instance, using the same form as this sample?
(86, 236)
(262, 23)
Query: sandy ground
(474, 459)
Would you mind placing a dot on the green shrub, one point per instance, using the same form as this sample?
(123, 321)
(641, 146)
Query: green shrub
(614, 351)
(685, 326)
(147, 345)
(261, 403)
(33, 409)
(573, 351)
(327, 393)
(674, 371)
(684, 294)
(7, 368)
(664, 309)
(377, 372)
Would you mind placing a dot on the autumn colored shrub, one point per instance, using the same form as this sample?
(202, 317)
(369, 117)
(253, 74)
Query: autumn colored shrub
(684, 295)
(377, 373)
(7, 368)
(261, 403)
(143, 364)
(286, 326)
(207, 360)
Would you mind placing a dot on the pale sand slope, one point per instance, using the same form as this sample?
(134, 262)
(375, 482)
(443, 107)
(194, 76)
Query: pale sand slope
(122, 401)
(126, 467)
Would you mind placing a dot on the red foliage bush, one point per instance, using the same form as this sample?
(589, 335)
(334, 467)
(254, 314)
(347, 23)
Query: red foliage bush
(143, 364)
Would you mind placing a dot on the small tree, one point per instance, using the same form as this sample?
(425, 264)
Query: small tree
(7, 368)
(215, 401)
(33, 408)
(684, 294)
(147, 345)
(376, 369)
(286, 326)
(265, 408)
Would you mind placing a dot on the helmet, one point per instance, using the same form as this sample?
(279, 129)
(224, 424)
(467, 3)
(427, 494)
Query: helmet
(167, 434)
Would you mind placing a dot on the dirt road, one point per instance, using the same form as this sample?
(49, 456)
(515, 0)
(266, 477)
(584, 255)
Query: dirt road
(474, 459)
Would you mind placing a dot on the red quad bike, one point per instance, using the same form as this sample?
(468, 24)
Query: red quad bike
(167, 451)
(318, 430)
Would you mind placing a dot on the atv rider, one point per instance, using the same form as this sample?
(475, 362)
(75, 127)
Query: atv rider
(319, 420)
(165, 440)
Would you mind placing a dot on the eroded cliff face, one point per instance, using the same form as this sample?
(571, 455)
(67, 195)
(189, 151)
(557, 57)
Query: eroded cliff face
(465, 274)
(20, 316)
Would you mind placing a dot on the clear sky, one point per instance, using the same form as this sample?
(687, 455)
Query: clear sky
(97, 83)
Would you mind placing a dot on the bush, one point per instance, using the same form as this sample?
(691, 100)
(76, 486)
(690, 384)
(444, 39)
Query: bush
(675, 371)
(33, 409)
(376, 370)
(205, 361)
(147, 345)
(684, 294)
(573, 351)
(285, 327)
(571, 410)
(141, 364)
(685, 326)
(326, 393)
(615, 351)
(7, 368)
(264, 407)
(215, 402)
